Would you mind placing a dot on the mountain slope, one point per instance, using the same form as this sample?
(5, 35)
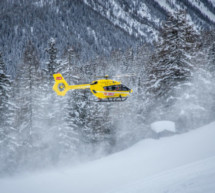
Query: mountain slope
(71, 23)
(91, 26)
(142, 18)
(182, 163)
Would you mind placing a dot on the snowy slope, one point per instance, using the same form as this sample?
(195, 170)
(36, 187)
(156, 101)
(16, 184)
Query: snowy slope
(92, 27)
(182, 164)
(142, 18)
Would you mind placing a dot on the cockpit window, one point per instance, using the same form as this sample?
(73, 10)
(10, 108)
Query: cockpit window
(125, 88)
(119, 87)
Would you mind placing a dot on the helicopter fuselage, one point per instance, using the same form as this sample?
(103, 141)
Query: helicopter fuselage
(106, 88)
(102, 89)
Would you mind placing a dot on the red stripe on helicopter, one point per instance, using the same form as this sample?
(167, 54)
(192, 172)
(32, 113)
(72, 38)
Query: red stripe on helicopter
(59, 78)
(109, 93)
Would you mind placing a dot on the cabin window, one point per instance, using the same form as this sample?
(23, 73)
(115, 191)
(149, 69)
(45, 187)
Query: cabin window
(113, 88)
(125, 88)
(119, 87)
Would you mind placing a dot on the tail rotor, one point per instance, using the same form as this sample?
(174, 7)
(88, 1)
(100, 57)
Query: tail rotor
(61, 86)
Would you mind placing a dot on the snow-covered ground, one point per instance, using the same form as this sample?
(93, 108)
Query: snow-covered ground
(181, 164)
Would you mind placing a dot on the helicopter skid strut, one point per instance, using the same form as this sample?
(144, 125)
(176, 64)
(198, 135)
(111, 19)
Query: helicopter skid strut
(120, 99)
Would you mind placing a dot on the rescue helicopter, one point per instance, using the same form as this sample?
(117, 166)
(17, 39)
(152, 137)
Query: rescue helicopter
(104, 89)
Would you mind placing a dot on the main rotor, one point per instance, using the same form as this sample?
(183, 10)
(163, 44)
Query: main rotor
(117, 76)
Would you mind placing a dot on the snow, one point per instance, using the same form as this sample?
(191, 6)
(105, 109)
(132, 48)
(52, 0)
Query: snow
(213, 2)
(39, 3)
(160, 126)
(32, 30)
(200, 6)
(164, 4)
(181, 164)
(196, 177)
(131, 25)
(204, 10)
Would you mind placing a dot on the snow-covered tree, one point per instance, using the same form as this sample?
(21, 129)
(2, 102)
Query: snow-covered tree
(4, 86)
(207, 57)
(52, 63)
(69, 132)
(8, 132)
(195, 105)
(26, 91)
(210, 44)
(171, 67)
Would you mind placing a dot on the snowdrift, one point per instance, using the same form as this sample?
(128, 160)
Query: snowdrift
(182, 164)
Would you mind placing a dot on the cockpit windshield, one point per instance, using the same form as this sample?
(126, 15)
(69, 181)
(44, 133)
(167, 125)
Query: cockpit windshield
(119, 87)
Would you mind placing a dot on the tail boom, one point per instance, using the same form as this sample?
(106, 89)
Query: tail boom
(61, 86)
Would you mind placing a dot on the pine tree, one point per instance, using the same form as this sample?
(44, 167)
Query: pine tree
(4, 82)
(53, 107)
(196, 104)
(171, 68)
(44, 138)
(68, 135)
(26, 101)
(8, 133)
(52, 63)
(211, 51)
(208, 54)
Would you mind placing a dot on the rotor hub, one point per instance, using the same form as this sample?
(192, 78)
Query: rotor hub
(61, 87)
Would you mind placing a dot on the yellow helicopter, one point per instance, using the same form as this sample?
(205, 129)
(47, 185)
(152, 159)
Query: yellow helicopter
(105, 90)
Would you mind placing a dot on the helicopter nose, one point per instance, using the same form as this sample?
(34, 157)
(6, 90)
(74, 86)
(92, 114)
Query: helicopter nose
(130, 91)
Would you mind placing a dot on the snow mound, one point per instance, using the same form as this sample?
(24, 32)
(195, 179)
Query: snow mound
(160, 126)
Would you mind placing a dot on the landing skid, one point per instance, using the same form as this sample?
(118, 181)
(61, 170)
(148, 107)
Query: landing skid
(120, 99)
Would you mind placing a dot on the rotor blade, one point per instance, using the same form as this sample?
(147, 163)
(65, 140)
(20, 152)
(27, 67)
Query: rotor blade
(105, 76)
(74, 76)
(125, 75)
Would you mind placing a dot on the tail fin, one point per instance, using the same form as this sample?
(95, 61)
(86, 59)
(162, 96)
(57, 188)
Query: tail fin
(61, 86)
